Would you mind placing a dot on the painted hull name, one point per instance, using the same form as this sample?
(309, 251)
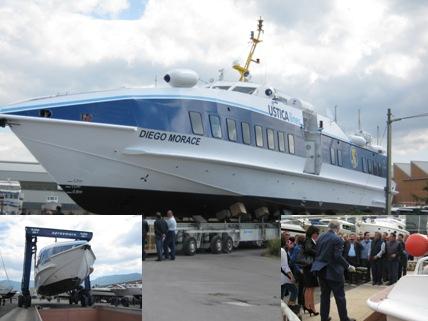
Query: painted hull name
(173, 138)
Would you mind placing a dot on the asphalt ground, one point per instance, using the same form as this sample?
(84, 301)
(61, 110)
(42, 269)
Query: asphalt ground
(4, 309)
(242, 285)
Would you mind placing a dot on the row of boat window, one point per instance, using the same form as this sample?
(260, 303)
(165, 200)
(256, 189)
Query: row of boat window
(46, 254)
(336, 157)
(232, 132)
(9, 195)
(370, 166)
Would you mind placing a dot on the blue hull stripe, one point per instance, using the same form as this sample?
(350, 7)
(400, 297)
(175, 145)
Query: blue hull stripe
(166, 113)
(127, 97)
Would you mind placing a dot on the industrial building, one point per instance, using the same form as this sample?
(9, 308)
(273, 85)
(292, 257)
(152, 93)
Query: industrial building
(38, 187)
(412, 182)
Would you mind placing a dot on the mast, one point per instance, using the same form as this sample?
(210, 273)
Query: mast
(244, 71)
(4, 268)
(359, 120)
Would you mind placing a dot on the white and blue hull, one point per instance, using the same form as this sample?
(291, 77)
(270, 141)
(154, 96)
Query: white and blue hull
(111, 169)
(112, 153)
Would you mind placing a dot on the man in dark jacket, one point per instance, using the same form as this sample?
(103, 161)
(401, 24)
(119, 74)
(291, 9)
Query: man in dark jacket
(402, 270)
(161, 228)
(352, 254)
(352, 251)
(145, 232)
(394, 250)
(377, 252)
(330, 265)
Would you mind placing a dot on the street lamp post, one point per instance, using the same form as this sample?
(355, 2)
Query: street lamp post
(389, 162)
(389, 122)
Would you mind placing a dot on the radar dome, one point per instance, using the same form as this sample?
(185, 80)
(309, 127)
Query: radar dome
(183, 78)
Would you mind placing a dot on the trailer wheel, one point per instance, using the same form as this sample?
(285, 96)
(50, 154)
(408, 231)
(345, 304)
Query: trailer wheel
(27, 301)
(189, 246)
(227, 244)
(216, 245)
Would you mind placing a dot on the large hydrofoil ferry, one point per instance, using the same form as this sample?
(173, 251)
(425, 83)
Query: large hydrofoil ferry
(198, 150)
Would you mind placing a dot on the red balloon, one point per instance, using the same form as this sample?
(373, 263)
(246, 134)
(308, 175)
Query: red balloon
(417, 245)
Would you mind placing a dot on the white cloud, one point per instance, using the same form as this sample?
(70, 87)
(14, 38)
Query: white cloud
(113, 256)
(11, 148)
(397, 65)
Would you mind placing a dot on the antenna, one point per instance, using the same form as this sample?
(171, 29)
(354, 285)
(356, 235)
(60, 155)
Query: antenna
(359, 119)
(377, 135)
(335, 113)
(221, 74)
(244, 71)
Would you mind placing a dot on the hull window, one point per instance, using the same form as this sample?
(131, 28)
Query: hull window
(364, 164)
(86, 117)
(339, 158)
(374, 167)
(259, 136)
(332, 156)
(196, 121)
(45, 113)
(291, 143)
(215, 126)
(246, 136)
(231, 129)
(270, 138)
(281, 141)
(370, 167)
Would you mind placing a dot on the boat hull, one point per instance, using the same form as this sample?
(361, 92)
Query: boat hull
(64, 271)
(404, 301)
(379, 227)
(110, 169)
(128, 291)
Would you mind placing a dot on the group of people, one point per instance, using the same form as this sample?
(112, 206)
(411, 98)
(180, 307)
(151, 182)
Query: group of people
(165, 229)
(328, 259)
(384, 256)
(312, 261)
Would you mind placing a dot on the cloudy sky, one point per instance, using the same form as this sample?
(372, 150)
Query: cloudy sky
(367, 54)
(116, 241)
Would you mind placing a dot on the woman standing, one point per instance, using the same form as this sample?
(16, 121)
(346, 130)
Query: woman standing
(310, 280)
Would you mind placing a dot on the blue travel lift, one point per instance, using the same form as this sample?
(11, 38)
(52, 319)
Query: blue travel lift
(31, 234)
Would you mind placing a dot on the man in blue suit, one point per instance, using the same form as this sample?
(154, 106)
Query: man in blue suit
(330, 265)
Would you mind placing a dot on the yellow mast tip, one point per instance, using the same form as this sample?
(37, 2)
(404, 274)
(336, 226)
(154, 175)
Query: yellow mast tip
(244, 71)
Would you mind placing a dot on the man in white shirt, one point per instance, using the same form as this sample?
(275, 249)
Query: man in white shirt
(287, 279)
(170, 236)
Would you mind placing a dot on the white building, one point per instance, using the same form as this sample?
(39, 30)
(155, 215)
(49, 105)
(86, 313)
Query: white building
(38, 187)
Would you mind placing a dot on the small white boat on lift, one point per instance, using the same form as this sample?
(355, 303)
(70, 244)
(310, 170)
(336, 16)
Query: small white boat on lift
(63, 266)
